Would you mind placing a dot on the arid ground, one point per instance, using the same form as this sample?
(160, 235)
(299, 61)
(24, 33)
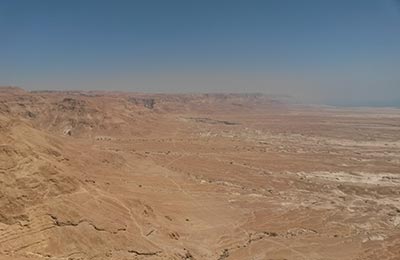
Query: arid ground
(109, 175)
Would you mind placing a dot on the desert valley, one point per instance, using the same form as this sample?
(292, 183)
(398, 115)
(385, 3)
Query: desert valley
(113, 175)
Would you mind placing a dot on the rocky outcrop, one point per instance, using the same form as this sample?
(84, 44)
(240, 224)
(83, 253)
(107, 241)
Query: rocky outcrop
(146, 102)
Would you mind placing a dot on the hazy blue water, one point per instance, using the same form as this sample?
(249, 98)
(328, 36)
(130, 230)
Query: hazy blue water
(394, 103)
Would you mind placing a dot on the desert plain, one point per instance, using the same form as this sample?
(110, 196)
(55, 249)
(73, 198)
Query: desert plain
(114, 175)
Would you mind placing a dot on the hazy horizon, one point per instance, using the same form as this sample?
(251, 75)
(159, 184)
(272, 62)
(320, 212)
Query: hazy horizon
(337, 53)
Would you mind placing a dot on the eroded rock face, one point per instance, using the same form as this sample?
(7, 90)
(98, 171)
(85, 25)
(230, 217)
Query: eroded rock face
(72, 104)
(29, 175)
(146, 102)
(94, 175)
(9, 157)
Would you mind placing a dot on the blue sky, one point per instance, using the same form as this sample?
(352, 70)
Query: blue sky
(336, 52)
